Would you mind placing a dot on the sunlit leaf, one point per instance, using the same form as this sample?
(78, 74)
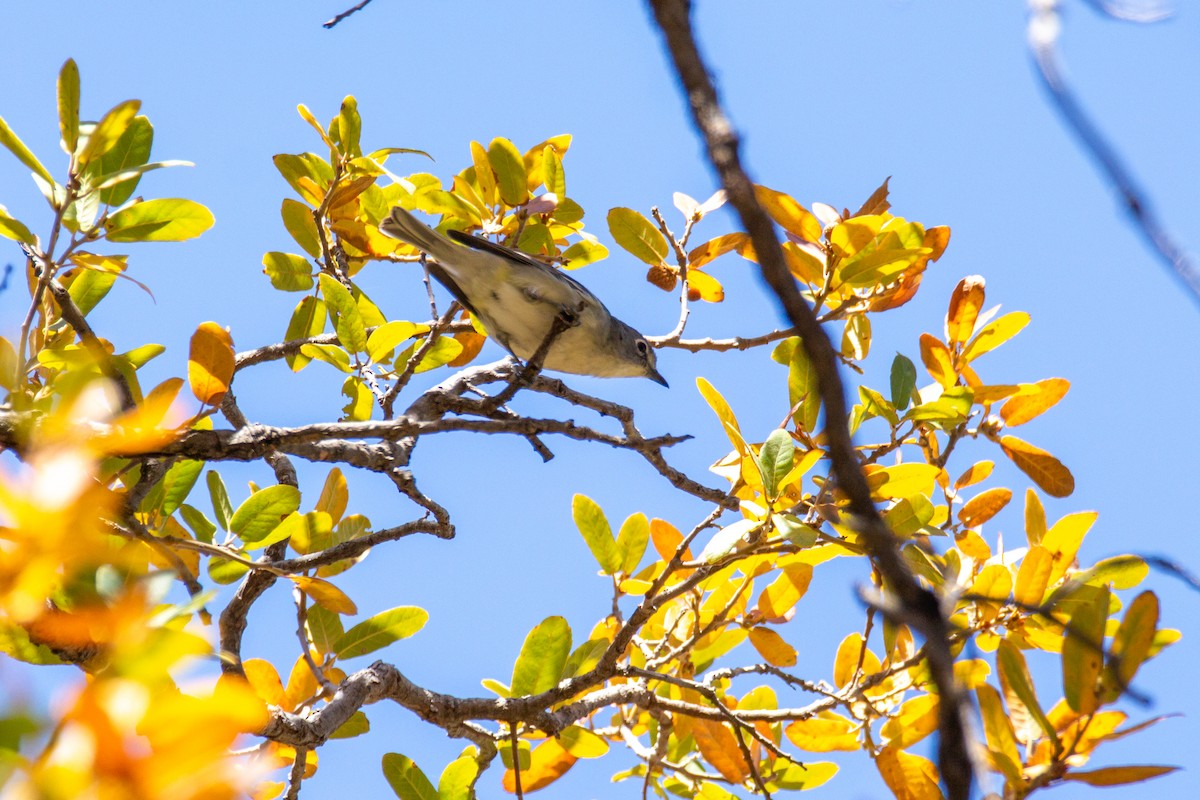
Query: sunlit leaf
(1118, 776)
(994, 334)
(539, 666)
(777, 599)
(325, 593)
(406, 778)
(592, 523)
(347, 320)
(262, 511)
(938, 361)
(772, 647)
(1044, 469)
(107, 132)
(908, 776)
(509, 167)
(824, 733)
(965, 305)
(381, 630)
(547, 763)
(1033, 400)
(210, 363)
(68, 105)
(718, 745)
(637, 235)
(163, 220)
(983, 506)
(1014, 676)
(789, 214)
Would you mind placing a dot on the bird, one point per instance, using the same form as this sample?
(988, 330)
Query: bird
(517, 298)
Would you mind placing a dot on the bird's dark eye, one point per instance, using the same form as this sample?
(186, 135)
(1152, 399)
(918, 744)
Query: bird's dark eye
(642, 347)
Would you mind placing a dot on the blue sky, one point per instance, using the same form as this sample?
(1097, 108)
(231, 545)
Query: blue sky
(831, 98)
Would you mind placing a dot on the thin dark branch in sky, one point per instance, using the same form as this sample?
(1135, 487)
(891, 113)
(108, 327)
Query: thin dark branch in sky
(921, 607)
(346, 13)
(1044, 28)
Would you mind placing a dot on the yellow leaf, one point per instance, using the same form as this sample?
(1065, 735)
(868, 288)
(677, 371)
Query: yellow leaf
(210, 363)
(983, 506)
(1033, 576)
(910, 777)
(965, 305)
(986, 395)
(972, 544)
(994, 334)
(264, 680)
(771, 646)
(1046, 471)
(1001, 738)
(902, 480)
(975, 473)
(547, 763)
(1033, 400)
(1035, 517)
(993, 582)
(850, 652)
(1083, 654)
(724, 413)
(1134, 638)
(938, 361)
(823, 734)
(702, 286)
(719, 747)
(334, 496)
(785, 591)
(915, 719)
(1063, 539)
(791, 216)
(509, 166)
(325, 593)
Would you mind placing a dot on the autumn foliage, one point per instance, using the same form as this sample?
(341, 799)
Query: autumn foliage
(114, 550)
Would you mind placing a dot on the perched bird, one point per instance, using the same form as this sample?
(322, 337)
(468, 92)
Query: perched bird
(517, 298)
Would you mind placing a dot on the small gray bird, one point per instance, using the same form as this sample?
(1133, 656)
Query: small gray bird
(517, 298)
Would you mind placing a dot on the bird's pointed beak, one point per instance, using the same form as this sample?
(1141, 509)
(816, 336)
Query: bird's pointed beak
(655, 376)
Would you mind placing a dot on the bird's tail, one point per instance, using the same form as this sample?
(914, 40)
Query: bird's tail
(404, 226)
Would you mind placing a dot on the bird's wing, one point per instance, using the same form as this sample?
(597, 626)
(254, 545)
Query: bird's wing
(484, 245)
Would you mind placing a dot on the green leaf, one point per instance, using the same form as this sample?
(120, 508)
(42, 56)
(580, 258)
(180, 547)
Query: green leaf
(201, 526)
(802, 389)
(15, 146)
(909, 515)
(511, 178)
(224, 571)
(775, 458)
(637, 235)
(584, 657)
(444, 350)
(552, 172)
(163, 220)
(308, 320)
(107, 181)
(347, 321)
(131, 150)
(904, 381)
(632, 540)
(592, 523)
(583, 253)
(324, 628)
(380, 631)
(262, 511)
(1015, 675)
(331, 354)
(288, 272)
(298, 220)
(357, 725)
(108, 131)
(457, 779)
(222, 510)
(294, 526)
(68, 105)
(406, 778)
(385, 338)
(178, 482)
(350, 127)
(539, 667)
(11, 228)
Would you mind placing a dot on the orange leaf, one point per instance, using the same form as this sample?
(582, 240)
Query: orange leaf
(547, 763)
(714, 248)
(975, 473)
(719, 747)
(1118, 776)
(325, 594)
(666, 538)
(210, 363)
(965, 304)
(1046, 471)
(983, 506)
(938, 360)
(771, 646)
(1033, 400)
(472, 343)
